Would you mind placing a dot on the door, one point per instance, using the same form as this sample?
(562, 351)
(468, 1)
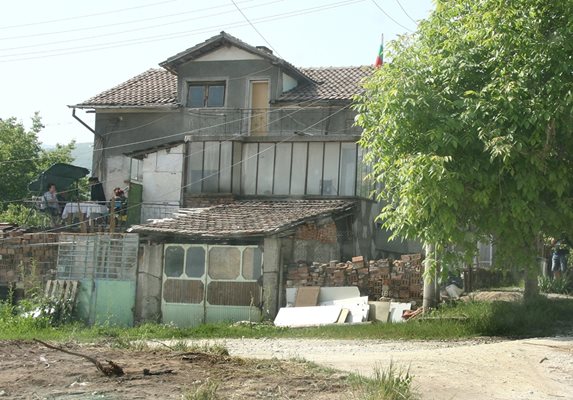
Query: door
(259, 108)
(134, 203)
(205, 284)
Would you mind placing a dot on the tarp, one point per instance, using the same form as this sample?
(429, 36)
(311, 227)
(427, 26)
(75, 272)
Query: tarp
(60, 174)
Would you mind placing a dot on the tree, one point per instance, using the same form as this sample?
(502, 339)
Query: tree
(469, 129)
(22, 158)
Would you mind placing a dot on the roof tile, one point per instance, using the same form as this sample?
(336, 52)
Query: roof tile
(242, 218)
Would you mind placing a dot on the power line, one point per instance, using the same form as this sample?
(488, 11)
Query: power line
(389, 16)
(213, 174)
(133, 21)
(84, 16)
(148, 27)
(255, 28)
(149, 39)
(405, 12)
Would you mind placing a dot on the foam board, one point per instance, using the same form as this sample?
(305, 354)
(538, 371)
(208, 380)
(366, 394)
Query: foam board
(307, 316)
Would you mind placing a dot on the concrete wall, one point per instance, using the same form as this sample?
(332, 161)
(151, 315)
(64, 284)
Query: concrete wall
(149, 283)
(162, 174)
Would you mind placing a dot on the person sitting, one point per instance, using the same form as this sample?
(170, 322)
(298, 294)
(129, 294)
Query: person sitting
(51, 204)
(96, 190)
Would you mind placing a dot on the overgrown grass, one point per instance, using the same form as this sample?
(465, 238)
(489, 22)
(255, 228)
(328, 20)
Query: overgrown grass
(204, 391)
(539, 317)
(389, 384)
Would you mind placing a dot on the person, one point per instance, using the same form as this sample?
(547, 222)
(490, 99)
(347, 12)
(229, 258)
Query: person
(51, 204)
(118, 201)
(96, 190)
(560, 253)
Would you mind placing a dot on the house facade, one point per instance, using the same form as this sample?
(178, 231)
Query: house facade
(257, 159)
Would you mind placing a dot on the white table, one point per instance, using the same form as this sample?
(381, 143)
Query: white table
(86, 208)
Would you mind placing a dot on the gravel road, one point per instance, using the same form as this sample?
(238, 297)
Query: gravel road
(539, 368)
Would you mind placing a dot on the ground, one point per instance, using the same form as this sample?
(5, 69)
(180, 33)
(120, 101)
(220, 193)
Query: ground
(472, 369)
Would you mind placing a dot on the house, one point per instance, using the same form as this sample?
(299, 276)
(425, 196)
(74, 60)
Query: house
(236, 156)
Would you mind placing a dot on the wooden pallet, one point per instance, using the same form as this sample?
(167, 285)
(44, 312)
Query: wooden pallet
(63, 290)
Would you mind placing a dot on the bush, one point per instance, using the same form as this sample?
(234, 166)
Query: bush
(561, 285)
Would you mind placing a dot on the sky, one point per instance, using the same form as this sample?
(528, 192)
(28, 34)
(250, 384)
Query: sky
(61, 52)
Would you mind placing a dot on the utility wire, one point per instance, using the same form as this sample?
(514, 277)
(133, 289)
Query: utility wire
(390, 17)
(133, 21)
(405, 12)
(149, 39)
(210, 175)
(144, 28)
(255, 28)
(84, 16)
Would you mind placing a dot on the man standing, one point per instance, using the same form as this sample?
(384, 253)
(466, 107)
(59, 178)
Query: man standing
(560, 253)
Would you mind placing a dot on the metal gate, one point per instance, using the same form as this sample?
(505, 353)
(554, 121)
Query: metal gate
(105, 265)
(203, 284)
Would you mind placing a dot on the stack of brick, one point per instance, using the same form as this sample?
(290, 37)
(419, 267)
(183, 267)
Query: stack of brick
(24, 253)
(399, 279)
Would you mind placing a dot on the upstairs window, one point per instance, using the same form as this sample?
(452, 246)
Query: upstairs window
(206, 94)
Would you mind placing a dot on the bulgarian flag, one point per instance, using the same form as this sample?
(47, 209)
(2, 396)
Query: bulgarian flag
(380, 57)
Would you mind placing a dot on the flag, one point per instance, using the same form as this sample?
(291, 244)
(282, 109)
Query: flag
(380, 58)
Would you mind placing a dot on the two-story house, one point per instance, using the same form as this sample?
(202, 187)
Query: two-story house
(237, 156)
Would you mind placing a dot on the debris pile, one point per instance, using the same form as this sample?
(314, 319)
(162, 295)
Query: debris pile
(396, 279)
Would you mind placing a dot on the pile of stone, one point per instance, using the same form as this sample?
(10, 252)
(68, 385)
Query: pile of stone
(396, 279)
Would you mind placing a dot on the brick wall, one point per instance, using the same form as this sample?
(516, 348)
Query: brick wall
(30, 251)
(397, 279)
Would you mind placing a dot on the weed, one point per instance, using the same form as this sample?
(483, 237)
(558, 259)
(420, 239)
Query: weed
(561, 285)
(389, 384)
(205, 391)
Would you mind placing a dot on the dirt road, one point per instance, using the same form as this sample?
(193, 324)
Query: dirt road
(476, 369)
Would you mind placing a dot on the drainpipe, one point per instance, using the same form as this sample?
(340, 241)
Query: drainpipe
(82, 122)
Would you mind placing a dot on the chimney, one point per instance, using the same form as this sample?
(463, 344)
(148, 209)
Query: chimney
(265, 49)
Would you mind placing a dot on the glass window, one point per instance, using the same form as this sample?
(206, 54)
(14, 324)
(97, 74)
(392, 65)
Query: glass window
(347, 169)
(298, 176)
(194, 167)
(216, 96)
(195, 262)
(209, 94)
(174, 256)
(315, 154)
(282, 168)
(224, 262)
(249, 176)
(265, 168)
(211, 167)
(330, 175)
(226, 167)
(252, 263)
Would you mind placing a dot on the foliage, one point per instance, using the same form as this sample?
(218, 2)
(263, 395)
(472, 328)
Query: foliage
(22, 158)
(561, 285)
(469, 129)
(21, 214)
(204, 391)
(541, 317)
(389, 384)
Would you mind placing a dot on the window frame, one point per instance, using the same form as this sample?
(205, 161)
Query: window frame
(206, 85)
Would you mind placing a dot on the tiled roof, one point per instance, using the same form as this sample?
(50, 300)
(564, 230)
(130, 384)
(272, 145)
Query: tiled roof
(333, 83)
(154, 87)
(243, 218)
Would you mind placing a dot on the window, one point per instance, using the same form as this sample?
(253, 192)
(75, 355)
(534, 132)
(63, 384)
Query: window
(211, 94)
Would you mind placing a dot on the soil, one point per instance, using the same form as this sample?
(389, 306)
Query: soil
(30, 371)
(272, 369)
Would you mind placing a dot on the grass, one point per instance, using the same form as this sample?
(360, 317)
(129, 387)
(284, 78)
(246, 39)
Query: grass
(540, 317)
(204, 391)
(389, 384)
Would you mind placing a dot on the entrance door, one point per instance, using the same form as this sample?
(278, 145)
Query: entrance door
(203, 284)
(259, 108)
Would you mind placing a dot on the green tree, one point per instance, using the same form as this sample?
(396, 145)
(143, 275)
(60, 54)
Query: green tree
(469, 129)
(22, 158)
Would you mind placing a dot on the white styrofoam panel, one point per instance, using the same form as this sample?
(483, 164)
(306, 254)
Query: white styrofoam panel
(396, 310)
(307, 316)
(337, 293)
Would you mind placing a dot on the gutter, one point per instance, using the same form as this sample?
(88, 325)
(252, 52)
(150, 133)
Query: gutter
(82, 122)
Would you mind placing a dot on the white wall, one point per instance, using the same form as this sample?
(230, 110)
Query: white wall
(162, 173)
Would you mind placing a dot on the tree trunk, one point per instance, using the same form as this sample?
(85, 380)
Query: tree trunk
(429, 281)
(531, 289)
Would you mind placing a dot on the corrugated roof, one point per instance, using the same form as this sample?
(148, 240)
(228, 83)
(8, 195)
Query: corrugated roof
(153, 88)
(243, 218)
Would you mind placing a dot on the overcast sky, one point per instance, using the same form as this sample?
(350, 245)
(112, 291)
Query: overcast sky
(60, 52)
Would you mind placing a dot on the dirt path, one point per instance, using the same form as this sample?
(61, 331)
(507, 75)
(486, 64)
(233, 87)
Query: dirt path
(521, 369)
